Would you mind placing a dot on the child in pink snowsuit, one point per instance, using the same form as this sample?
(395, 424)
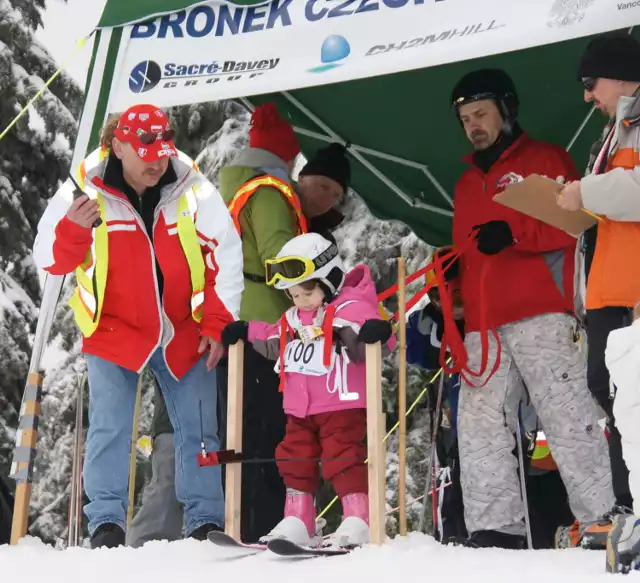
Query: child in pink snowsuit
(320, 345)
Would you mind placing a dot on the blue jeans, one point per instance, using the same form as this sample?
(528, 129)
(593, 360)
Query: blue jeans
(112, 395)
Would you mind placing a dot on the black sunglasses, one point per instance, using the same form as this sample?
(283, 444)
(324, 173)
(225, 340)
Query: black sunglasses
(589, 83)
(148, 138)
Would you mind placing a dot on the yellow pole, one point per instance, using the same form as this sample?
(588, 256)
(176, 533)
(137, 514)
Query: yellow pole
(80, 44)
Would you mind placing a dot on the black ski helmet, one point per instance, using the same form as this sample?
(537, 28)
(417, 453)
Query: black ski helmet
(487, 84)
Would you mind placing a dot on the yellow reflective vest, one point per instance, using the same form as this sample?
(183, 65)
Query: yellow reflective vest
(91, 274)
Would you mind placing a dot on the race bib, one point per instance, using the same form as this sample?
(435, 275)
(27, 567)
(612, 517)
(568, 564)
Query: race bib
(306, 358)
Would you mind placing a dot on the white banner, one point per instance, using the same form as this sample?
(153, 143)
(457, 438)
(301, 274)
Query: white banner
(217, 50)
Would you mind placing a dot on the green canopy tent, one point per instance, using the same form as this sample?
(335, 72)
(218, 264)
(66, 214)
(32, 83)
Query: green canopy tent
(389, 97)
(374, 73)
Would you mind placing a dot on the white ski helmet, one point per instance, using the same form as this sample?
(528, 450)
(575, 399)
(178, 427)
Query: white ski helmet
(306, 257)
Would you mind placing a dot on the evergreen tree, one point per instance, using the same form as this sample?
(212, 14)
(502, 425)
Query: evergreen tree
(34, 157)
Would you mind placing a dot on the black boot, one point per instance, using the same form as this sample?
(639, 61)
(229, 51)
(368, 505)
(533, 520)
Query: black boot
(107, 535)
(201, 532)
(491, 538)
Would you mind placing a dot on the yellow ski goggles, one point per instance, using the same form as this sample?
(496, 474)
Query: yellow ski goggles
(293, 269)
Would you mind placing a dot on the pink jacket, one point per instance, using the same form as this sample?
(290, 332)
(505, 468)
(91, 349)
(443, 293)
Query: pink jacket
(311, 388)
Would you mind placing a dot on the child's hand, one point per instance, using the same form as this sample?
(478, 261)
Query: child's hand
(234, 332)
(373, 331)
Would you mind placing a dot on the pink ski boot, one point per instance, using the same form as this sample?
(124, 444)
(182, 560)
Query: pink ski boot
(354, 530)
(299, 522)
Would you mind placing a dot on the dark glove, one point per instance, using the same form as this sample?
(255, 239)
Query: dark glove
(450, 273)
(234, 332)
(373, 331)
(493, 237)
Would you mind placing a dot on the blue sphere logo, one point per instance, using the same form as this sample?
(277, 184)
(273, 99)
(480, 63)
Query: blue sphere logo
(335, 49)
(144, 77)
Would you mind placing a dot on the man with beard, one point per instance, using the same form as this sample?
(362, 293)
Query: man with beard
(516, 279)
(157, 264)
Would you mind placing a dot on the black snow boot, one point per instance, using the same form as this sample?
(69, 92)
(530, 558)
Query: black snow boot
(201, 532)
(491, 538)
(107, 535)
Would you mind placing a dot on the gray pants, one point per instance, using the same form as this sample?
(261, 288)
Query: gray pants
(541, 352)
(160, 517)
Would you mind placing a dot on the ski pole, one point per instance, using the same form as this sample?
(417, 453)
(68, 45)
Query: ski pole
(75, 497)
(432, 454)
(133, 454)
(80, 446)
(523, 484)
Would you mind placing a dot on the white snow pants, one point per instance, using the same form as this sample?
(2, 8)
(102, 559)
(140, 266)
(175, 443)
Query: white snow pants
(542, 354)
(623, 361)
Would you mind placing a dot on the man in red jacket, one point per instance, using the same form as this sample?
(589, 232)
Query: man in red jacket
(158, 263)
(516, 279)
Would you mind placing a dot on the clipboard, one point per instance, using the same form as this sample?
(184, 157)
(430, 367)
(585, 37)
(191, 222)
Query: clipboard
(535, 196)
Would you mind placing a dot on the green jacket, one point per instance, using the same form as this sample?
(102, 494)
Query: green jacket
(267, 222)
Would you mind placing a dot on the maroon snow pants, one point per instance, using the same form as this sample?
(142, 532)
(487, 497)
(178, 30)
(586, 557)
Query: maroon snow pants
(337, 434)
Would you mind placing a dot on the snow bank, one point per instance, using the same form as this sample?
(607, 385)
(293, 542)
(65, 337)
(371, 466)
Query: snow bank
(418, 557)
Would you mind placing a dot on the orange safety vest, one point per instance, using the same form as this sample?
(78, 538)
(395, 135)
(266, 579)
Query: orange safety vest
(246, 191)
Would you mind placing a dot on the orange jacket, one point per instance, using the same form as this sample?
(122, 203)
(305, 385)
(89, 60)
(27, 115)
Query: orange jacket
(615, 196)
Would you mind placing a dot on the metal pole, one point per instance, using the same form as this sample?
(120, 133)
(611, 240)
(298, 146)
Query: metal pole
(402, 396)
(133, 453)
(432, 454)
(523, 483)
(79, 454)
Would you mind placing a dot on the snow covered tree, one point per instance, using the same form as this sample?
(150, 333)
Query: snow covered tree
(34, 158)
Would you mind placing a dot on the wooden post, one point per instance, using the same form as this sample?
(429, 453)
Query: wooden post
(233, 482)
(375, 444)
(133, 454)
(24, 454)
(402, 397)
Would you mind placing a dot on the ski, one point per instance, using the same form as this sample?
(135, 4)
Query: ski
(286, 548)
(222, 539)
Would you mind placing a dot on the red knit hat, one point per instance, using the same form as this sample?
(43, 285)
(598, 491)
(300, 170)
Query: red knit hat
(270, 132)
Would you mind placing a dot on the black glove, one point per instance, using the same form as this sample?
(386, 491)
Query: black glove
(373, 331)
(452, 272)
(493, 237)
(234, 332)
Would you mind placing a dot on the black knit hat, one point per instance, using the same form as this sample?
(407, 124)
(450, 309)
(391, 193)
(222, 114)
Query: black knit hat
(611, 56)
(331, 162)
(487, 84)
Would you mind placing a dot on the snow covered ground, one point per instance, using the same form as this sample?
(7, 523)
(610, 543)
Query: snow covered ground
(417, 557)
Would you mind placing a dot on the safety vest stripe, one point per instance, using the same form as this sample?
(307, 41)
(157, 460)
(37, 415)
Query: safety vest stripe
(88, 301)
(122, 227)
(197, 300)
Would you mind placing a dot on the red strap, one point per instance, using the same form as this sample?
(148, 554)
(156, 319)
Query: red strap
(452, 340)
(284, 329)
(327, 331)
(411, 278)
